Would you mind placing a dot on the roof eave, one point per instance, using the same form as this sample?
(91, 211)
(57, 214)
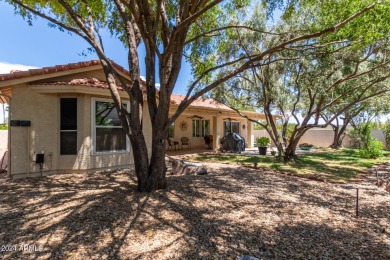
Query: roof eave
(41, 76)
(80, 89)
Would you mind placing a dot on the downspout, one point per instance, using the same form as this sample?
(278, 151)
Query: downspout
(9, 133)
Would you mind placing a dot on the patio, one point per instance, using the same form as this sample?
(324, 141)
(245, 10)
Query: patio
(187, 151)
(248, 151)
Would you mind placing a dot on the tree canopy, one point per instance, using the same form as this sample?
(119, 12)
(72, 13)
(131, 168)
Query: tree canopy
(223, 40)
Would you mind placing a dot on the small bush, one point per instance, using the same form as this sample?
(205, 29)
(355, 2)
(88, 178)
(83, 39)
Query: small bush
(3, 127)
(372, 149)
(263, 141)
(356, 138)
(305, 145)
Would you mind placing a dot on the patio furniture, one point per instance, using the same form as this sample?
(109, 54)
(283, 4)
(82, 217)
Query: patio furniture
(185, 141)
(209, 141)
(172, 144)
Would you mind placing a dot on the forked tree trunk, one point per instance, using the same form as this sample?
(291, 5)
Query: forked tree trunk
(338, 137)
(340, 130)
(290, 152)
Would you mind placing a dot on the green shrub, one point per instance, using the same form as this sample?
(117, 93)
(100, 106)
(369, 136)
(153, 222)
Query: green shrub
(356, 138)
(372, 149)
(3, 127)
(262, 141)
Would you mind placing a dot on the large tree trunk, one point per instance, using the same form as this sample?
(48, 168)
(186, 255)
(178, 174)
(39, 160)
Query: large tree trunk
(338, 136)
(141, 162)
(150, 174)
(157, 169)
(296, 136)
(339, 132)
(289, 153)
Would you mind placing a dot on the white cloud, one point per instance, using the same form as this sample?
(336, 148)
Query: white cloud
(6, 67)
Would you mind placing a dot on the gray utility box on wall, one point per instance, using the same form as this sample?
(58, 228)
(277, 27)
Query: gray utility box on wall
(20, 123)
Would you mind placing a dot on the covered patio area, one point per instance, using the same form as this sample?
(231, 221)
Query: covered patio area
(206, 117)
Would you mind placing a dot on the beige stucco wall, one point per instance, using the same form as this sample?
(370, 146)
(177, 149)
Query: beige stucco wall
(42, 111)
(324, 137)
(43, 135)
(321, 137)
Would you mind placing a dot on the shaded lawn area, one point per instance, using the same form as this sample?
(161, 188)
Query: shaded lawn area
(325, 164)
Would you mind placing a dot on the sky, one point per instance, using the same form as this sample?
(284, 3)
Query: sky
(42, 46)
(24, 47)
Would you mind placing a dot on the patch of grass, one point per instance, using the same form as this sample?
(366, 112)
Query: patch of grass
(3, 127)
(341, 165)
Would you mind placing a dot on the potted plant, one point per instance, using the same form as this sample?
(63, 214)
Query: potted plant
(305, 146)
(262, 144)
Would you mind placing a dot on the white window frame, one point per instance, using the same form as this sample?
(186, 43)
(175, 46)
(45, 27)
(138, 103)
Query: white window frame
(93, 128)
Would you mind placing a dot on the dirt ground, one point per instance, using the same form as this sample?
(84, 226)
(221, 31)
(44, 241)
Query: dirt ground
(228, 213)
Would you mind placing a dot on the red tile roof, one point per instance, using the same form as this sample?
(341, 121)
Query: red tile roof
(93, 82)
(53, 69)
(206, 103)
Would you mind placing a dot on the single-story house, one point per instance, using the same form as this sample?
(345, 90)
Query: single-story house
(64, 116)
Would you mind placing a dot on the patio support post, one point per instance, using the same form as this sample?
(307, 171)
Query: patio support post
(250, 137)
(217, 131)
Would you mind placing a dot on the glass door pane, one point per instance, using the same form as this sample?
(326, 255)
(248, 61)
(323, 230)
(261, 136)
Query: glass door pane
(226, 128)
(236, 127)
(206, 127)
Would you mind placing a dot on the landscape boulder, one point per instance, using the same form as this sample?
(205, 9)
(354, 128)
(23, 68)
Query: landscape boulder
(180, 167)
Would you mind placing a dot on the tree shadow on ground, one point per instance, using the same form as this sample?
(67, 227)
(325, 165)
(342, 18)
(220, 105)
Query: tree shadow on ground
(225, 214)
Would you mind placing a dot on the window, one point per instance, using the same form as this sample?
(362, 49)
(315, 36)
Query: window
(108, 135)
(68, 126)
(200, 128)
(171, 131)
(232, 127)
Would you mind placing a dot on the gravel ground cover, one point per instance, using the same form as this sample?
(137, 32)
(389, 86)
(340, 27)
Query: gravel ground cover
(230, 212)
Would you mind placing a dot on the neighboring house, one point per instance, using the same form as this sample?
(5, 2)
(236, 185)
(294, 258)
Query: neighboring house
(66, 113)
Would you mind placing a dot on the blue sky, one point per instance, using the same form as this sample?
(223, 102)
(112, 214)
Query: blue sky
(40, 46)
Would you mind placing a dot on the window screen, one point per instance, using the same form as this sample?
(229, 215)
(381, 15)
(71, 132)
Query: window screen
(109, 135)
